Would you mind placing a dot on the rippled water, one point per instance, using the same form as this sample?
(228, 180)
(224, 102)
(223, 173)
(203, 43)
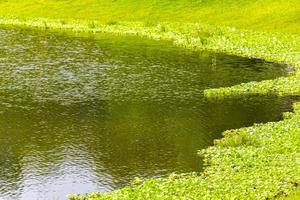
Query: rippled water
(79, 114)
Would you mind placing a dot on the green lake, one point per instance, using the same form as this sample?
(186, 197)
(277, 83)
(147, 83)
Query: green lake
(81, 114)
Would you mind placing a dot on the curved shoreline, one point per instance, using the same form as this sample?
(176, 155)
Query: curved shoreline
(242, 153)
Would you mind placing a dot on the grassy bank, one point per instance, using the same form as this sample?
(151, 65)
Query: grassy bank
(267, 15)
(259, 162)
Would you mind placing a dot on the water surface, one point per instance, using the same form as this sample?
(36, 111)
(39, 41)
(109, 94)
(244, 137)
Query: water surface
(79, 114)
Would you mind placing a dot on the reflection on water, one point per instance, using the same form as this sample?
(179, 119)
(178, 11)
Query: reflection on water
(80, 115)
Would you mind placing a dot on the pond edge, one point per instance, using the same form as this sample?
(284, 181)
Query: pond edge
(282, 48)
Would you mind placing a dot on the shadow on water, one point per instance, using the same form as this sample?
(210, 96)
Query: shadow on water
(80, 115)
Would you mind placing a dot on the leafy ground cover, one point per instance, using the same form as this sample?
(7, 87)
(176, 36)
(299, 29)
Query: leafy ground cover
(259, 162)
(293, 196)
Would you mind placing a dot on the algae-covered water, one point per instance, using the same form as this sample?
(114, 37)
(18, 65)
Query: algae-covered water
(83, 114)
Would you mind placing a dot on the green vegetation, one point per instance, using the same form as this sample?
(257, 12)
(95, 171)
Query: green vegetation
(280, 15)
(293, 196)
(259, 162)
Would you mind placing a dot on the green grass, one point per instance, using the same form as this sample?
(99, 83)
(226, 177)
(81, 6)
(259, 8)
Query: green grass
(259, 162)
(267, 15)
